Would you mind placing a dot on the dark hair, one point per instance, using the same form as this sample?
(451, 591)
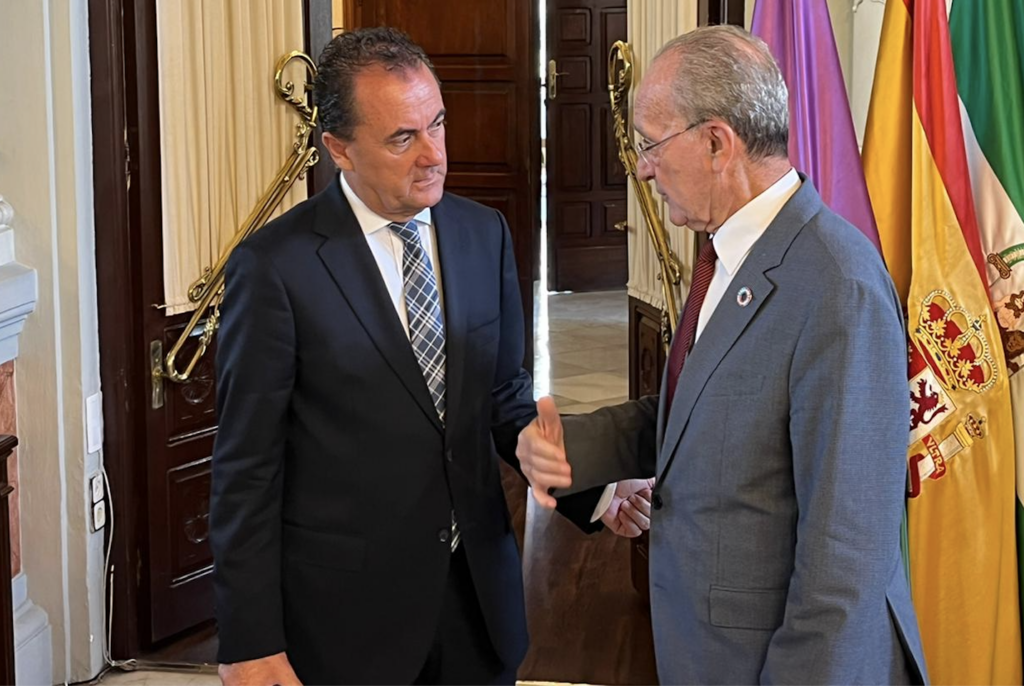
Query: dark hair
(348, 54)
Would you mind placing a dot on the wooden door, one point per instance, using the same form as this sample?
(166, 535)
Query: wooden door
(178, 421)
(485, 53)
(159, 434)
(586, 183)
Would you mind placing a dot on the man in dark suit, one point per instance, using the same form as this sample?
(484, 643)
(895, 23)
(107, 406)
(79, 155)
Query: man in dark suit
(369, 369)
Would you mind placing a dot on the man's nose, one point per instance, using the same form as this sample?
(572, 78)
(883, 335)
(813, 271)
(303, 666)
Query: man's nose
(431, 152)
(644, 169)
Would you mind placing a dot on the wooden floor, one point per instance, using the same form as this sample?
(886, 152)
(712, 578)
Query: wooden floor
(587, 623)
(197, 648)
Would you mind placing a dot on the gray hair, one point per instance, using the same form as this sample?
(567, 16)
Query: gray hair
(726, 73)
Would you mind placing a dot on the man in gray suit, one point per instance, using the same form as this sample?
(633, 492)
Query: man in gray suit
(779, 440)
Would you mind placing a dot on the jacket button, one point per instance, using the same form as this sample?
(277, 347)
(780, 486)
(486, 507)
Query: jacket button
(656, 501)
(448, 455)
(443, 535)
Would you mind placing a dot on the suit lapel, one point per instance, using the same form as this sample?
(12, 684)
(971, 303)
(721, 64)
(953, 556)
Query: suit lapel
(730, 319)
(347, 257)
(448, 230)
(718, 337)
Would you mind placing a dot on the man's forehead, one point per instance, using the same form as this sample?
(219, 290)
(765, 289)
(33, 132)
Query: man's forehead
(655, 90)
(653, 100)
(375, 78)
(390, 92)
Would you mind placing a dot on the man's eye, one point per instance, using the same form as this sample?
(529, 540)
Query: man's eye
(436, 126)
(403, 141)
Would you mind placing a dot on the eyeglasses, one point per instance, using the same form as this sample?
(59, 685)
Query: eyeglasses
(645, 147)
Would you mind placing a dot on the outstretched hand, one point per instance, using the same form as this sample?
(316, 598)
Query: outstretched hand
(541, 453)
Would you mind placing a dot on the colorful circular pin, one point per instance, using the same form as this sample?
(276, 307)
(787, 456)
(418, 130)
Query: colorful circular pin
(744, 296)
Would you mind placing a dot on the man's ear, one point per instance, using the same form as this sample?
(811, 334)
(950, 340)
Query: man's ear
(339, 151)
(722, 142)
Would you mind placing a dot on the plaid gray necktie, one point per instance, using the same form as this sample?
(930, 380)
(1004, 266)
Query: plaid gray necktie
(426, 323)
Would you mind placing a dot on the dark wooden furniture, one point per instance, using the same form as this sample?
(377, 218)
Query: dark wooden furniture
(7, 445)
(646, 361)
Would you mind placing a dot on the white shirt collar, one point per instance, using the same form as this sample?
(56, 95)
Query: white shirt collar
(737, 235)
(370, 221)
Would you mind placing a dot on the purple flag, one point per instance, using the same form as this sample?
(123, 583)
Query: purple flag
(822, 141)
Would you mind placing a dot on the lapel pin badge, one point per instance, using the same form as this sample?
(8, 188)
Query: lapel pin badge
(744, 296)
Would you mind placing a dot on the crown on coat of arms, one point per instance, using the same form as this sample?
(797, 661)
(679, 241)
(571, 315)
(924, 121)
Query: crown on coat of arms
(954, 343)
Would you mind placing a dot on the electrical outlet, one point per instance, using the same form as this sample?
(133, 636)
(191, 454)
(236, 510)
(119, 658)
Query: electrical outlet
(99, 516)
(96, 484)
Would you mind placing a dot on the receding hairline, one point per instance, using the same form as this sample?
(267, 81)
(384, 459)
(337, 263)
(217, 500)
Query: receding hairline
(683, 43)
(405, 72)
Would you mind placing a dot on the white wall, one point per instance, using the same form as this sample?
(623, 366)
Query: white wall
(45, 173)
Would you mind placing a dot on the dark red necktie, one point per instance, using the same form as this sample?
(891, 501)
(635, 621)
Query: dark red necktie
(683, 341)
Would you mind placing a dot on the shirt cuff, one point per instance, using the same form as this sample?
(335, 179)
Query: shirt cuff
(604, 503)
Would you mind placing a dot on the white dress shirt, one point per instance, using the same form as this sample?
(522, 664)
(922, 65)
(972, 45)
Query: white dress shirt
(389, 250)
(736, 237)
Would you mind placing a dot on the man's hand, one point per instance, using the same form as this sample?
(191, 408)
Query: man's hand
(541, 453)
(630, 511)
(265, 671)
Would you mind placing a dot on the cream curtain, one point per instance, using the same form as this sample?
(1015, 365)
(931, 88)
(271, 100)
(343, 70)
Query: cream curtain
(337, 18)
(651, 24)
(224, 133)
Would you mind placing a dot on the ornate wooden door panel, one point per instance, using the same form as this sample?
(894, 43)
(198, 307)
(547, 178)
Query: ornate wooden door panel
(586, 181)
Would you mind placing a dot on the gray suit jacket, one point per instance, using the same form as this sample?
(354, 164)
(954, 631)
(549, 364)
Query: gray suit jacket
(781, 470)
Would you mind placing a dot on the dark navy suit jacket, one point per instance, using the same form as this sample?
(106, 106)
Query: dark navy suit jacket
(333, 479)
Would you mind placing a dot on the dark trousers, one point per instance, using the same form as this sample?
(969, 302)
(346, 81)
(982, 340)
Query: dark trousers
(462, 652)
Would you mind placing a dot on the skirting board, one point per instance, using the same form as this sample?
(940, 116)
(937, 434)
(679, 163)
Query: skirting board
(33, 643)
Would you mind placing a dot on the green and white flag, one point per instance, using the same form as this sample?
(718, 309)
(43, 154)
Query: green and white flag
(988, 53)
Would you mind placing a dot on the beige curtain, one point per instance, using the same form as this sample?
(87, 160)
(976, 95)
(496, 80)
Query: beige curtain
(224, 132)
(651, 24)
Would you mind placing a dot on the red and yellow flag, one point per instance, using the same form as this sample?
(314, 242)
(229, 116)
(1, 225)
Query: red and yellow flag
(962, 543)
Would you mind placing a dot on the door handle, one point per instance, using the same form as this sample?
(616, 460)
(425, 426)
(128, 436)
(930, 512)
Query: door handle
(553, 75)
(156, 372)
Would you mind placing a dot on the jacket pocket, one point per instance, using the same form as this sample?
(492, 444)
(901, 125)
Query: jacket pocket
(322, 548)
(735, 385)
(737, 608)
